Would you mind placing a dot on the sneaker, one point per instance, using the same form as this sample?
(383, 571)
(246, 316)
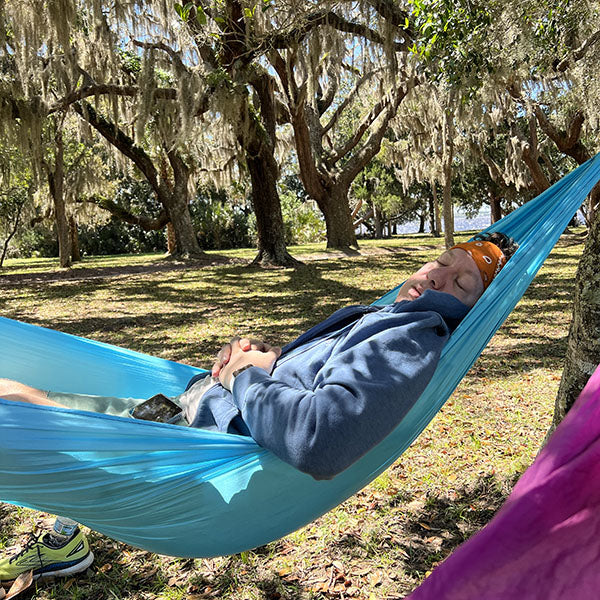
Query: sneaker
(47, 558)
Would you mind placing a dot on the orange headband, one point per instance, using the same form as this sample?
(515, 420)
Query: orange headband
(487, 256)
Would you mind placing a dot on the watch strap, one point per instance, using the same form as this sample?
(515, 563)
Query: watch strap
(235, 374)
(238, 371)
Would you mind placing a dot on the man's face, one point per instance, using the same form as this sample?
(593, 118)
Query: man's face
(454, 272)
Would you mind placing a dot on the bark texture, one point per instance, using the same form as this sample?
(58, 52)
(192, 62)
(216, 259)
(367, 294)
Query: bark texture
(258, 142)
(583, 349)
(495, 206)
(448, 157)
(56, 180)
(74, 236)
(269, 220)
(436, 216)
(11, 233)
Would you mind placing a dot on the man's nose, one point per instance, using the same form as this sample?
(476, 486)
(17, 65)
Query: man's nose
(438, 278)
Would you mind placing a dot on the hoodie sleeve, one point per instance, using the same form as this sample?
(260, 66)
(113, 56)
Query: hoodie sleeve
(360, 394)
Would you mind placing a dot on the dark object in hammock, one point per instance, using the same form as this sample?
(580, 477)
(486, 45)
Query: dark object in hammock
(158, 408)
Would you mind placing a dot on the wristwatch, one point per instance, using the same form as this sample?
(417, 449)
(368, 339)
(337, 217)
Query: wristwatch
(236, 373)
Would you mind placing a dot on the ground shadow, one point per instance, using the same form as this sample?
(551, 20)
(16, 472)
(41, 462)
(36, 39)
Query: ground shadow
(444, 522)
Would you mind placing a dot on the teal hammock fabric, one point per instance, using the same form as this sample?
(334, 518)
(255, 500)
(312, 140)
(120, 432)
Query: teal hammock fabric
(188, 492)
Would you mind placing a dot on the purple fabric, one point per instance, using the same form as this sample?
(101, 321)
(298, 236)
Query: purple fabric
(544, 543)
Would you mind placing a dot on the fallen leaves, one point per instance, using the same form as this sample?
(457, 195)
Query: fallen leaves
(21, 583)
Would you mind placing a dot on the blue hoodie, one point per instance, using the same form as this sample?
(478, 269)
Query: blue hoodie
(341, 387)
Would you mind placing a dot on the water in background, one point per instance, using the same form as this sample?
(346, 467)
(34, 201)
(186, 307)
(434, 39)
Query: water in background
(461, 223)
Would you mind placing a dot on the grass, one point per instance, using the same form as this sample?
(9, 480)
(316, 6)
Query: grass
(380, 543)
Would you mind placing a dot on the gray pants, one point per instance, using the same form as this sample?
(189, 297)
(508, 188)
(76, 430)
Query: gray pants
(121, 407)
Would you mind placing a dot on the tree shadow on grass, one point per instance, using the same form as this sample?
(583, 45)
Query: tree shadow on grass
(276, 305)
(280, 306)
(81, 272)
(444, 522)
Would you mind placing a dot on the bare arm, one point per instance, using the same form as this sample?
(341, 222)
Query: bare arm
(19, 392)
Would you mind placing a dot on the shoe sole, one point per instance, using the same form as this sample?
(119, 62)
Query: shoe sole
(80, 566)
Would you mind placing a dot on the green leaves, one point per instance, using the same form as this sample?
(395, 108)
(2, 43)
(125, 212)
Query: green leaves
(189, 10)
(183, 11)
(200, 16)
(453, 38)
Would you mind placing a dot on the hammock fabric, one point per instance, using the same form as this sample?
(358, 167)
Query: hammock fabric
(544, 542)
(188, 492)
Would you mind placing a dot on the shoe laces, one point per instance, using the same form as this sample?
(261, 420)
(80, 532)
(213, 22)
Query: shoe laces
(32, 541)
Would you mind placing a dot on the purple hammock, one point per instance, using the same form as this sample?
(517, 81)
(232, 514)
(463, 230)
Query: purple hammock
(544, 543)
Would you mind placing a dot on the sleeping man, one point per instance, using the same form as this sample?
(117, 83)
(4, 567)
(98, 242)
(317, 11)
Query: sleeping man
(340, 388)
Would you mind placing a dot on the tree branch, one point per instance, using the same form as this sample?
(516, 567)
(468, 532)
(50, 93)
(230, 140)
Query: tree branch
(326, 99)
(282, 41)
(578, 53)
(530, 156)
(146, 223)
(394, 98)
(569, 142)
(166, 49)
(372, 145)
(109, 89)
(347, 101)
(574, 129)
(206, 52)
(494, 170)
(397, 17)
(119, 140)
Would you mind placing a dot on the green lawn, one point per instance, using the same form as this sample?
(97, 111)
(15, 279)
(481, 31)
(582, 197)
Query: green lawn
(380, 543)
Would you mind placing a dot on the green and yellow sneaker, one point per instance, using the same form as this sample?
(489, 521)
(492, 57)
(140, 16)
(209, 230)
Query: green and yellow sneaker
(46, 558)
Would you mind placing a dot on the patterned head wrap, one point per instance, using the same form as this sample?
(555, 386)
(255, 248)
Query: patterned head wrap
(487, 256)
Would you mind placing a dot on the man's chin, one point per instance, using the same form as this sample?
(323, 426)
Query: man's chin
(405, 296)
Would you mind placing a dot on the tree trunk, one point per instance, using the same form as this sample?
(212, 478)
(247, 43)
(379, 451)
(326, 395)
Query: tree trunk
(422, 218)
(431, 215)
(594, 204)
(338, 220)
(583, 348)
(186, 242)
(377, 222)
(56, 185)
(176, 199)
(74, 237)
(258, 142)
(437, 217)
(448, 156)
(324, 178)
(495, 207)
(448, 205)
(11, 234)
(171, 239)
(269, 219)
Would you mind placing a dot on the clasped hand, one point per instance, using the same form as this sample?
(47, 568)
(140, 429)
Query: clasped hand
(241, 352)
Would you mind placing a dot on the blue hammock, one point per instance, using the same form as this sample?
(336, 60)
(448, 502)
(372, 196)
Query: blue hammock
(188, 492)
